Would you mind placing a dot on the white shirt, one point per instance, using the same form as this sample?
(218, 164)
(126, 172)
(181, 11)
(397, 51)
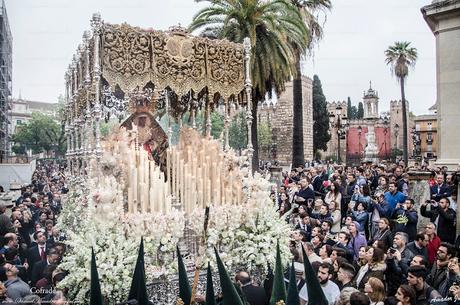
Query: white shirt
(330, 289)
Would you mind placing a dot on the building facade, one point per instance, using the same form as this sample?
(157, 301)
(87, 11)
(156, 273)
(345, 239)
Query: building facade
(443, 18)
(22, 109)
(426, 127)
(279, 115)
(6, 65)
(388, 129)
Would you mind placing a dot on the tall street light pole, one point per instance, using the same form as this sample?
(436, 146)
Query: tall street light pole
(338, 122)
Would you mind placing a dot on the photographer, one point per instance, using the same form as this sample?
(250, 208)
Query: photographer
(398, 259)
(406, 218)
(443, 215)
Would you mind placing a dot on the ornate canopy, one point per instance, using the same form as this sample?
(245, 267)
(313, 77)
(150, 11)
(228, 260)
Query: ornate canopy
(130, 63)
(119, 69)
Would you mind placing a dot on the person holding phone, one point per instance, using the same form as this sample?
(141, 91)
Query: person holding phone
(442, 215)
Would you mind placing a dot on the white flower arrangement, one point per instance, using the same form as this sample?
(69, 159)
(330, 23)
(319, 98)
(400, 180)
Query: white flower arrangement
(246, 234)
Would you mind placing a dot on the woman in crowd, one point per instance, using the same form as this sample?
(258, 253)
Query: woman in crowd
(384, 234)
(336, 216)
(382, 187)
(375, 267)
(361, 261)
(405, 295)
(333, 194)
(375, 290)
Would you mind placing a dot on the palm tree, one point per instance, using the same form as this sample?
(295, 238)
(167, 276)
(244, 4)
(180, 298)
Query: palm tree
(270, 24)
(400, 57)
(307, 8)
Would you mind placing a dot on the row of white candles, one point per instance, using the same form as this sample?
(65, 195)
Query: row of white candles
(147, 189)
(199, 176)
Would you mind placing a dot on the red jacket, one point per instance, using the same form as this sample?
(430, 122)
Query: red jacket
(432, 248)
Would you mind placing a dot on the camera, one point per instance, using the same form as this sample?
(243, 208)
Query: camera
(392, 250)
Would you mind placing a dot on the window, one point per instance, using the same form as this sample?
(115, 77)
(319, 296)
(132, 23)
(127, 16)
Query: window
(429, 136)
(430, 126)
(18, 122)
(417, 127)
(429, 148)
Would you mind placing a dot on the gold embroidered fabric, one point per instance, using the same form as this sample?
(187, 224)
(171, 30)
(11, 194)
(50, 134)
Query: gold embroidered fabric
(131, 57)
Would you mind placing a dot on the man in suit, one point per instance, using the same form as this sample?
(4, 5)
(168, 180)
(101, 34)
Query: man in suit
(37, 271)
(255, 295)
(37, 252)
(440, 190)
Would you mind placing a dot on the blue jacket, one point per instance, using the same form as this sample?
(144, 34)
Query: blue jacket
(393, 200)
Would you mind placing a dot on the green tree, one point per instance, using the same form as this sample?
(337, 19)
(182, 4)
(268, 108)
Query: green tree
(41, 134)
(238, 132)
(270, 25)
(400, 57)
(360, 112)
(320, 117)
(308, 10)
(265, 136)
(349, 109)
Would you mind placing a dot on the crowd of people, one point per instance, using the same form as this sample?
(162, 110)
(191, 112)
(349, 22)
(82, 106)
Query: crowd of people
(369, 241)
(31, 247)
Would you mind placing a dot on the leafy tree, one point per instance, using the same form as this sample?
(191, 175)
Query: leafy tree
(41, 134)
(308, 10)
(274, 28)
(354, 112)
(320, 117)
(349, 109)
(360, 112)
(238, 132)
(400, 57)
(265, 135)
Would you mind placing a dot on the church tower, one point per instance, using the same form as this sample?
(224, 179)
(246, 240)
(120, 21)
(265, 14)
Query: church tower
(371, 103)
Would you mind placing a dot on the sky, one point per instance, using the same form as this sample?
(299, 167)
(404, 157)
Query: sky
(46, 34)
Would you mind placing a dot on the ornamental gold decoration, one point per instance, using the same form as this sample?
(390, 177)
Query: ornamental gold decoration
(131, 57)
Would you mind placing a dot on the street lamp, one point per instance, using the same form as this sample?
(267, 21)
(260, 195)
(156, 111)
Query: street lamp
(396, 134)
(360, 130)
(340, 124)
(385, 132)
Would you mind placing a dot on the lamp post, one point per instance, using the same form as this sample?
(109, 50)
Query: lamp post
(340, 123)
(385, 132)
(396, 135)
(360, 131)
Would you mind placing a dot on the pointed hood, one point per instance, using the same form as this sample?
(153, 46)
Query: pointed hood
(315, 292)
(138, 289)
(95, 287)
(185, 291)
(210, 297)
(230, 295)
(292, 293)
(279, 289)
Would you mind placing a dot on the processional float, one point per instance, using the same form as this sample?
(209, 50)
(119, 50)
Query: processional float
(137, 75)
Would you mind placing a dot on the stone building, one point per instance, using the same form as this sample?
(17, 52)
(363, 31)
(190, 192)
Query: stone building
(426, 129)
(22, 109)
(443, 18)
(387, 127)
(279, 115)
